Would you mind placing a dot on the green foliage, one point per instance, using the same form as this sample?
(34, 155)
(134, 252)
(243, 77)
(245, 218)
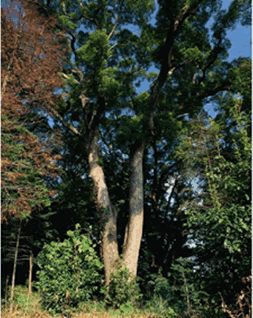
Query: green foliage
(123, 291)
(185, 294)
(67, 23)
(95, 50)
(108, 62)
(219, 153)
(69, 272)
(160, 301)
(178, 294)
(159, 286)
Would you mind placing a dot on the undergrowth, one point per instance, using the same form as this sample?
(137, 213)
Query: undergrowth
(29, 306)
(26, 306)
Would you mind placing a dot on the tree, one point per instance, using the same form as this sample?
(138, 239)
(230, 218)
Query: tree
(28, 75)
(107, 63)
(218, 153)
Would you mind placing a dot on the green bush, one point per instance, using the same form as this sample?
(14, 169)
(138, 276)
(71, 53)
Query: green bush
(185, 295)
(159, 303)
(123, 291)
(159, 286)
(69, 272)
(180, 294)
(160, 307)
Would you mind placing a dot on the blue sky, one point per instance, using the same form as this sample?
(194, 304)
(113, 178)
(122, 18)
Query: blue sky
(240, 39)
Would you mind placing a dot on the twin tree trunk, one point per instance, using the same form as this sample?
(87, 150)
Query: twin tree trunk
(133, 232)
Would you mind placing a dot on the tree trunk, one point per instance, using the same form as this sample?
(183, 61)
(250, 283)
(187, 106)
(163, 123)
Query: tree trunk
(105, 207)
(6, 291)
(30, 273)
(133, 232)
(14, 268)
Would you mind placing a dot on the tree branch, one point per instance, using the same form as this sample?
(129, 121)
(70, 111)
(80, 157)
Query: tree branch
(113, 29)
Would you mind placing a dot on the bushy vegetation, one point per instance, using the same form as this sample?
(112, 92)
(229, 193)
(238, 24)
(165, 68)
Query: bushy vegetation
(123, 291)
(69, 272)
(180, 295)
(178, 291)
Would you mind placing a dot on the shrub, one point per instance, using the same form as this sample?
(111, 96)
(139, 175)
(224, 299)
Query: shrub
(123, 290)
(159, 285)
(179, 291)
(185, 295)
(159, 302)
(160, 307)
(69, 272)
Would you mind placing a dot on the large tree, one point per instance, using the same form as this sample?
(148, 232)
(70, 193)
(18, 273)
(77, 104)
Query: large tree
(28, 74)
(101, 106)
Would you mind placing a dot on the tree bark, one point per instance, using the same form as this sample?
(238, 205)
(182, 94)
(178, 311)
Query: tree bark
(30, 273)
(133, 232)
(105, 207)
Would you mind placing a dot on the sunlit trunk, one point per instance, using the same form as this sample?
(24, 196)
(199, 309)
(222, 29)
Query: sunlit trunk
(105, 207)
(134, 227)
(30, 273)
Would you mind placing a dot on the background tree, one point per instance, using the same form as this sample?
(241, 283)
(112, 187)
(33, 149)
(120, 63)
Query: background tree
(218, 153)
(28, 75)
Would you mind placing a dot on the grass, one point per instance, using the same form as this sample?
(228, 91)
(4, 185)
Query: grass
(29, 307)
(25, 306)
(42, 314)
(38, 313)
